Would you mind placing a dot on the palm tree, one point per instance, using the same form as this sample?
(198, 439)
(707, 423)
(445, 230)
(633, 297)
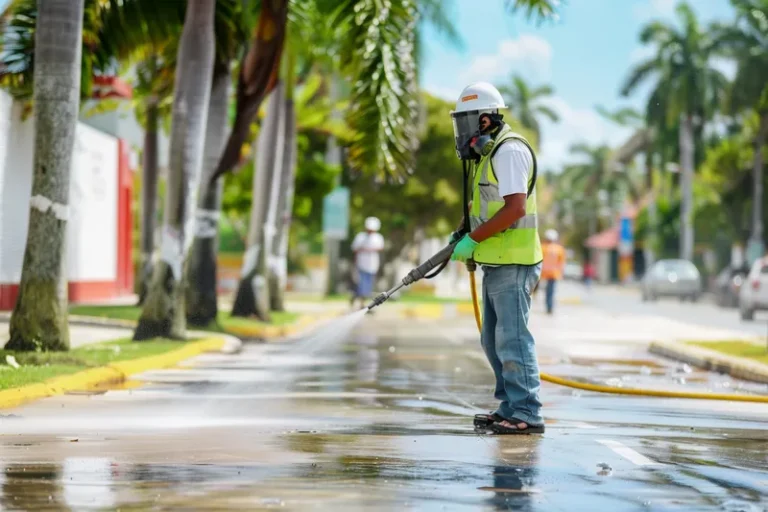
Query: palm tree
(595, 174)
(688, 90)
(201, 304)
(525, 104)
(163, 313)
(39, 320)
(747, 41)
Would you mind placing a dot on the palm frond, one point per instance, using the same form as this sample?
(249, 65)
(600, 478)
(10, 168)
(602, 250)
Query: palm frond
(379, 59)
(548, 112)
(639, 74)
(538, 10)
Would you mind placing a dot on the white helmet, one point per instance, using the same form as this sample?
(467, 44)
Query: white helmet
(479, 96)
(476, 101)
(551, 235)
(372, 224)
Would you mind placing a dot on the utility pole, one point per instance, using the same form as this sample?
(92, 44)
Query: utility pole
(686, 187)
(333, 157)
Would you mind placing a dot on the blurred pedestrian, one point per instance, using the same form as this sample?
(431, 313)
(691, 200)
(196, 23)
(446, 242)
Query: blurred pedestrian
(553, 265)
(589, 274)
(367, 245)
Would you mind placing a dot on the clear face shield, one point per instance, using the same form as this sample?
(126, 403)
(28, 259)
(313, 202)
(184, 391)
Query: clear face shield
(469, 132)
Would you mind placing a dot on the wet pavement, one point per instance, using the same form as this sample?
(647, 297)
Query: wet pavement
(381, 420)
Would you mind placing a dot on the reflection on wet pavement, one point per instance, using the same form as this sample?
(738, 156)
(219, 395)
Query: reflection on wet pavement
(382, 421)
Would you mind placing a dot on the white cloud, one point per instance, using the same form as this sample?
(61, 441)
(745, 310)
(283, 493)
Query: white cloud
(443, 92)
(529, 55)
(575, 125)
(654, 9)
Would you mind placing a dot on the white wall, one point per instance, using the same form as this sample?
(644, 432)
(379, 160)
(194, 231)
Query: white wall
(92, 227)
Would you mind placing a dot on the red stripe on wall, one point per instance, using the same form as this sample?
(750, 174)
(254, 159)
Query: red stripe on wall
(82, 291)
(124, 220)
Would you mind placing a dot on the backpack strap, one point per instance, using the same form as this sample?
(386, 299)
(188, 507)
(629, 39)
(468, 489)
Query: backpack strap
(533, 155)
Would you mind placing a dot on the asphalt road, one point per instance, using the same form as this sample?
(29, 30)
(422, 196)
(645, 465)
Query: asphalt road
(381, 420)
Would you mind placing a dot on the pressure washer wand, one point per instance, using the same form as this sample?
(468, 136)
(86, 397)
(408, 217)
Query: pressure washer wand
(417, 273)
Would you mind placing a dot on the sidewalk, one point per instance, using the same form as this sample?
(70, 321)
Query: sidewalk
(79, 335)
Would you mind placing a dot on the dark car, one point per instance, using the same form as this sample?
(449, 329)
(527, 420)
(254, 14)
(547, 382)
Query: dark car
(728, 285)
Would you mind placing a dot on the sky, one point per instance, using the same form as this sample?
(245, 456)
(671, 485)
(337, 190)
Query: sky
(585, 56)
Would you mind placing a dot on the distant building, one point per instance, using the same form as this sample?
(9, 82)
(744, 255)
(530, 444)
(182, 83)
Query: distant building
(99, 229)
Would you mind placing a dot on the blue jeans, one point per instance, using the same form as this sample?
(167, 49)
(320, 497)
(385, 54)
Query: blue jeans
(508, 343)
(551, 283)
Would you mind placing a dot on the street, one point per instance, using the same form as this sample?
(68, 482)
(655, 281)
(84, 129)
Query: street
(381, 420)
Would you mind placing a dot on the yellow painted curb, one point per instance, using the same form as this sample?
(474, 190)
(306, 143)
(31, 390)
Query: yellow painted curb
(423, 311)
(712, 360)
(276, 331)
(110, 374)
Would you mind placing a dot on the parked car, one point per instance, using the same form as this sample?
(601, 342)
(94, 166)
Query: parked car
(672, 278)
(754, 292)
(727, 286)
(572, 271)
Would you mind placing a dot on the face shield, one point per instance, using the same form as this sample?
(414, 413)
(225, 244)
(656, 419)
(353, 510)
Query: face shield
(467, 132)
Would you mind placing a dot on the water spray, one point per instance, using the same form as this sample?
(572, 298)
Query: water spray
(438, 261)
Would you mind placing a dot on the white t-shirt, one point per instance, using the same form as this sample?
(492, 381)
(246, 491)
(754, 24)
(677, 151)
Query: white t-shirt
(368, 246)
(511, 164)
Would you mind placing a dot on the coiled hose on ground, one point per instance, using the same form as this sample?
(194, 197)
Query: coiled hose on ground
(599, 388)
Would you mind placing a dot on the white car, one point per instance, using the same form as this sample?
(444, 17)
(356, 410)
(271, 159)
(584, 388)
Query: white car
(753, 295)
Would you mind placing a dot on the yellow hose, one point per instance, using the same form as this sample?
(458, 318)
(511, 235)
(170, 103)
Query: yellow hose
(599, 388)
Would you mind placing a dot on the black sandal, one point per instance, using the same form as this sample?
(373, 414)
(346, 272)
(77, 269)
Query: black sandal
(497, 428)
(486, 420)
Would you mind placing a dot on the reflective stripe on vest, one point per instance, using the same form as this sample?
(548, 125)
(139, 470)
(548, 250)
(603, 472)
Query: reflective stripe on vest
(519, 243)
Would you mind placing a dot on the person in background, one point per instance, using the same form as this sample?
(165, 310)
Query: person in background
(553, 265)
(367, 246)
(589, 274)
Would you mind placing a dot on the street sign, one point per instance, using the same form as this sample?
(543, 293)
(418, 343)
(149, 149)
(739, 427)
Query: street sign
(336, 214)
(755, 251)
(626, 240)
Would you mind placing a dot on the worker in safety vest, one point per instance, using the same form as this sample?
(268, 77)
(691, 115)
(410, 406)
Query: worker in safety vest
(554, 264)
(504, 240)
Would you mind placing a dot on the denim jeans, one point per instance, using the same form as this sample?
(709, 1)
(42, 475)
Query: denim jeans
(508, 343)
(551, 284)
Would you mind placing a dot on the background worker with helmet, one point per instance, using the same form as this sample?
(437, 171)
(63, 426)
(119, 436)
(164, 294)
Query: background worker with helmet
(503, 238)
(366, 246)
(553, 266)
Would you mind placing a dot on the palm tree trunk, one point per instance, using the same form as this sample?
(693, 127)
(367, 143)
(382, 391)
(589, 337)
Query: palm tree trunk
(279, 274)
(333, 156)
(757, 186)
(163, 313)
(252, 291)
(150, 174)
(686, 187)
(39, 320)
(201, 303)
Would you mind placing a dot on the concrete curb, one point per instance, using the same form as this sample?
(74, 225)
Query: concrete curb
(114, 373)
(712, 360)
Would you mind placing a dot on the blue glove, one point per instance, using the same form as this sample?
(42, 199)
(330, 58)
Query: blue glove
(464, 249)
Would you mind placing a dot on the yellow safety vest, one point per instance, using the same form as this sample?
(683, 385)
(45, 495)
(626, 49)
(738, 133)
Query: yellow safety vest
(519, 244)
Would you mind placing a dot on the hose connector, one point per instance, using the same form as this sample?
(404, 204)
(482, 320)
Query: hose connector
(471, 265)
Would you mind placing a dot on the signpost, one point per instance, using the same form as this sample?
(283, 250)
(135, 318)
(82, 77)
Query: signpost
(626, 248)
(335, 229)
(336, 214)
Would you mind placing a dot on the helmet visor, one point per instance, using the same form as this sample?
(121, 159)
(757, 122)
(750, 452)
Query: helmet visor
(466, 125)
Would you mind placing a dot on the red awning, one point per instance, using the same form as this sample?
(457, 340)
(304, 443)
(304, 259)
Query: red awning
(608, 239)
(110, 87)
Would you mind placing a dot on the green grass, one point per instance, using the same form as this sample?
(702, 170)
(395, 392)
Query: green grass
(743, 349)
(134, 312)
(39, 366)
